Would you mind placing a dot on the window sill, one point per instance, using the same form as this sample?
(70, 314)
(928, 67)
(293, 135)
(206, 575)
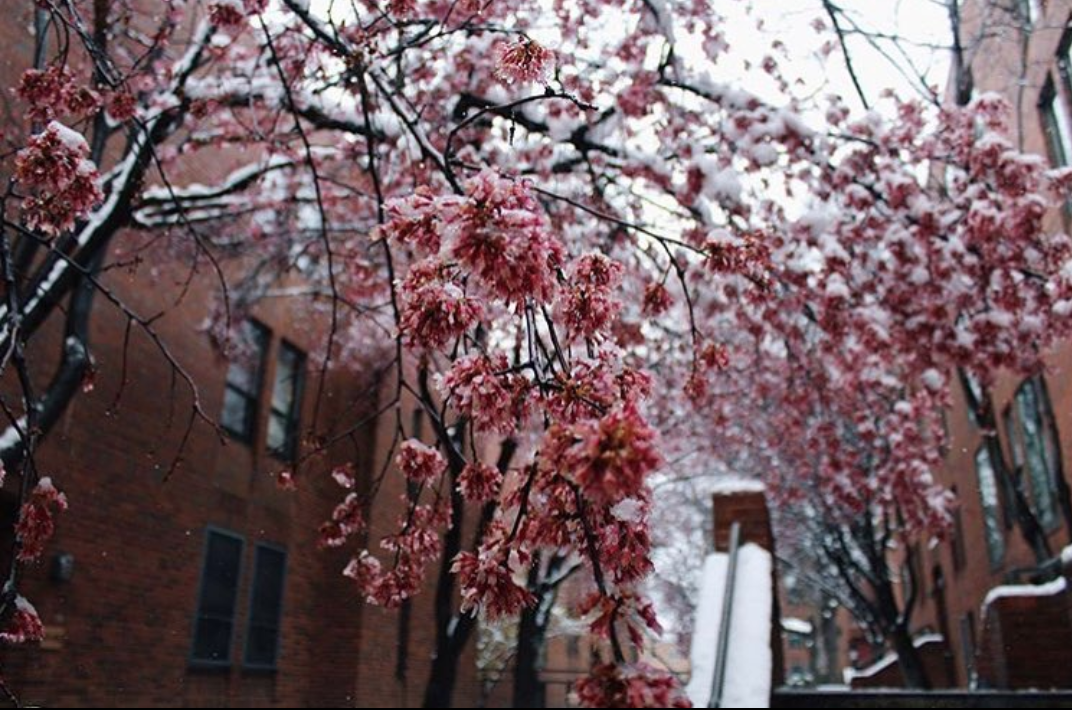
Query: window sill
(260, 670)
(208, 666)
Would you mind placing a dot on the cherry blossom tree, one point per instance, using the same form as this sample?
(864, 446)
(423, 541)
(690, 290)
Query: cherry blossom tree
(556, 232)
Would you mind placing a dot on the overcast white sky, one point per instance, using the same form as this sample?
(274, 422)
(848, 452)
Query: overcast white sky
(921, 24)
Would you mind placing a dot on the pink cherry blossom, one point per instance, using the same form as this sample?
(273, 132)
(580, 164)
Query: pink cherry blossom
(488, 581)
(636, 686)
(479, 482)
(590, 302)
(25, 624)
(484, 388)
(435, 307)
(54, 164)
(36, 522)
(524, 61)
(419, 462)
(610, 457)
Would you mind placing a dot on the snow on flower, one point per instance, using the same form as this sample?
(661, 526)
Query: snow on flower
(588, 305)
(482, 387)
(54, 163)
(344, 475)
(25, 624)
(414, 220)
(523, 61)
(413, 548)
(435, 308)
(36, 522)
(346, 520)
(488, 582)
(285, 480)
(53, 91)
(419, 462)
(499, 234)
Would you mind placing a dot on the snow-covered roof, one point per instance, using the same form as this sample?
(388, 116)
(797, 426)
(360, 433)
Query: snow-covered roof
(749, 660)
(1025, 590)
(887, 660)
(737, 484)
(797, 626)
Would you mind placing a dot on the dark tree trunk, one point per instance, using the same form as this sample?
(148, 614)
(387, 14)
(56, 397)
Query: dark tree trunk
(453, 631)
(908, 660)
(440, 689)
(529, 690)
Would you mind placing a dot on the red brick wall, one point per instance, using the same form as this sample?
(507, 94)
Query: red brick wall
(1027, 642)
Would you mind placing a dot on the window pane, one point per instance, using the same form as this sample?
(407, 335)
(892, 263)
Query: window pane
(216, 604)
(988, 495)
(1038, 468)
(277, 434)
(1015, 444)
(266, 604)
(261, 646)
(247, 361)
(286, 402)
(242, 391)
(237, 416)
(212, 641)
(286, 379)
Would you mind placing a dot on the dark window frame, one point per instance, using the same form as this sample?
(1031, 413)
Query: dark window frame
(192, 659)
(251, 399)
(278, 627)
(291, 419)
(1064, 56)
(1050, 116)
(1016, 460)
(1043, 484)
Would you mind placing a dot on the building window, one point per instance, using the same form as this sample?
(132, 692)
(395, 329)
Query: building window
(244, 376)
(1036, 442)
(214, 626)
(284, 418)
(1064, 58)
(265, 607)
(988, 496)
(973, 393)
(1055, 124)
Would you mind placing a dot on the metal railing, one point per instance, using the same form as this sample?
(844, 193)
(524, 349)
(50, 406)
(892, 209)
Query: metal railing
(721, 650)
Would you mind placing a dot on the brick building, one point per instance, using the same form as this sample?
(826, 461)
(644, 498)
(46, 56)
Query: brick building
(989, 634)
(204, 586)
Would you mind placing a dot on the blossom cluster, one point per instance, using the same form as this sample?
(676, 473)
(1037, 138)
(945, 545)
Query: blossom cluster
(36, 522)
(55, 164)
